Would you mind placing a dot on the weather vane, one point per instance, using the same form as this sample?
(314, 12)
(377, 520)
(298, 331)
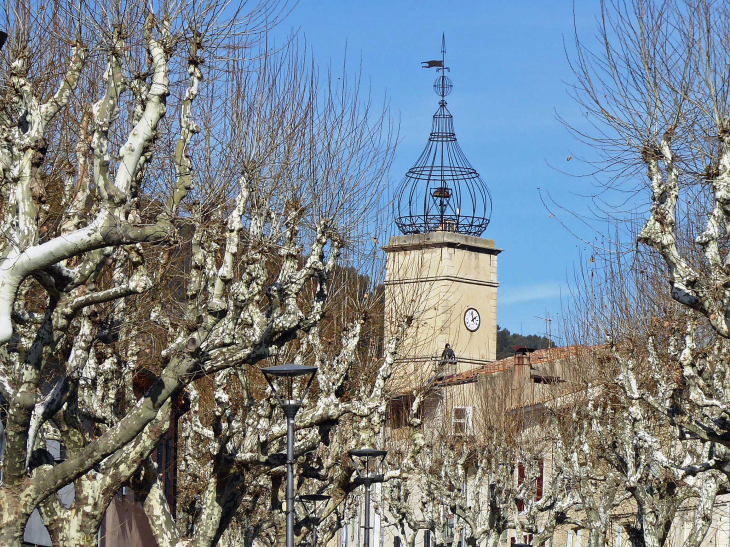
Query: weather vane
(442, 191)
(442, 86)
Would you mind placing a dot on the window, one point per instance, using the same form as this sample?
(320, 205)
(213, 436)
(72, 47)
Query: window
(538, 482)
(551, 380)
(462, 420)
(399, 409)
(619, 530)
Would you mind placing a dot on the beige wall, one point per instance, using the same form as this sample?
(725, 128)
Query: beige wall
(436, 277)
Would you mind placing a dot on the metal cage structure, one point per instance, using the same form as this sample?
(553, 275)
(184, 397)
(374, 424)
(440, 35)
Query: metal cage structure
(442, 192)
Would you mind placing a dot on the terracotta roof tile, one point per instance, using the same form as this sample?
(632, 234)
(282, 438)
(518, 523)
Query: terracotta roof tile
(536, 358)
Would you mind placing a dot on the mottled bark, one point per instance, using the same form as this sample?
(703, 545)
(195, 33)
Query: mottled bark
(240, 445)
(649, 105)
(79, 524)
(81, 357)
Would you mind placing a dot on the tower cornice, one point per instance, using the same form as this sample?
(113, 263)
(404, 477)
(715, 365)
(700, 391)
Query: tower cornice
(441, 239)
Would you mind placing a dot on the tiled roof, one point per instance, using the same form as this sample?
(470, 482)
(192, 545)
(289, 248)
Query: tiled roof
(549, 355)
(536, 358)
(472, 375)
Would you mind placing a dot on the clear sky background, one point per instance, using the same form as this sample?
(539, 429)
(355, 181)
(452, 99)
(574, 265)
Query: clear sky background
(510, 75)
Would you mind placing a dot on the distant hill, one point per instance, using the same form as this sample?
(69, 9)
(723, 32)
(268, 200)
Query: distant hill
(506, 339)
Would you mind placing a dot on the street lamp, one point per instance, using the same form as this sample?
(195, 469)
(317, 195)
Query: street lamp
(290, 404)
(314, 515)
(3, 38)
(366, 478)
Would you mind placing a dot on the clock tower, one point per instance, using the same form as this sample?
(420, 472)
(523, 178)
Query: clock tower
(440, 271)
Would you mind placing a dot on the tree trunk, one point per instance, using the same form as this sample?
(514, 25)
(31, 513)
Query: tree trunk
(79, 524)
(13, 520)
(81, 530)
(651, 539)
(597, 538)
(12, 517)
(492, 539)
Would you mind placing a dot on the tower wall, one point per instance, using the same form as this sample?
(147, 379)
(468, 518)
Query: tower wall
(437, 277)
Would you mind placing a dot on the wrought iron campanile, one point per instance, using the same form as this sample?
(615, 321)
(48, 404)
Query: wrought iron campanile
(442, 191)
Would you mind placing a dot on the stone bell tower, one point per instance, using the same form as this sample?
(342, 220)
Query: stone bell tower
(440, 270)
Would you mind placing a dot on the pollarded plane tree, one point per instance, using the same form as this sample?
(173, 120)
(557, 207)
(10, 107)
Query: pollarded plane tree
(655, 464)
(240, 427)
(160, 211)
(348, 410)
(450, 483)
(615, 455)
(362, 386)
(596, 487)
(361, 425)
(407, 497)
(656, 92)
(230, 446)
(338, 471)
(479, 482)
(624, 451)
(514, 480)
(483, 488)
(537, 494)
(428, 482)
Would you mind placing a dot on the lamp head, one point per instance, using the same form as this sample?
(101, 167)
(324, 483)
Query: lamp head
(369, 458)
(310, 501)
(284, 376)
(3, 38)
(314, 497)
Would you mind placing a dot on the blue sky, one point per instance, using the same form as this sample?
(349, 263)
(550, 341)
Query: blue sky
(510, 75)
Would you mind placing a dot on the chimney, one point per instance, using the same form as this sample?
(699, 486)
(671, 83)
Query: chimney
(521, 370)
(522, 355)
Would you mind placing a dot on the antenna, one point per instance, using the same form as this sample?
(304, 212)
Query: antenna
(548, 328)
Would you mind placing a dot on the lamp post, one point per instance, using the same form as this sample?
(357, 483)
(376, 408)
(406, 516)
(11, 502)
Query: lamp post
(365, 477)
(313, 499)
(290, 404)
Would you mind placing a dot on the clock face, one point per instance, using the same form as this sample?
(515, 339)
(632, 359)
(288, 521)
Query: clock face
(472, 319)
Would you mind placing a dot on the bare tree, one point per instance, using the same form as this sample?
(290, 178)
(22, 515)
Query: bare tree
(481, 479)
(656, 93)
(621, 447)
(205, 245)
(239, 441)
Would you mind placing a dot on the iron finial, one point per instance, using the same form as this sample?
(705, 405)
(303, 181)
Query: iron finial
(442, 191)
